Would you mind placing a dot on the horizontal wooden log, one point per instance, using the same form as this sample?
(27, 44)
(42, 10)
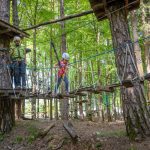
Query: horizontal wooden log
(60, 20)
(71, 131)
(45, 131)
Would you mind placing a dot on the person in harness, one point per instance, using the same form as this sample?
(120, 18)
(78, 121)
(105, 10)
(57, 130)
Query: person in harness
(18, 64)
(62, 73)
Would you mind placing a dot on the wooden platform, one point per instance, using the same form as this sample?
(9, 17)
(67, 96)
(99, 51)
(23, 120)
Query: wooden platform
(100, 6)
(10, 30)
(14, 93)
(83, 91)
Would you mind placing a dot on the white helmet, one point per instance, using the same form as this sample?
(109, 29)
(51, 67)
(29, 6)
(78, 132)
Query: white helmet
(16, 38)
(65, 56)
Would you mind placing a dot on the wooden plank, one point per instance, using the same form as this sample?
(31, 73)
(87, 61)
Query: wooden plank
(83, 101)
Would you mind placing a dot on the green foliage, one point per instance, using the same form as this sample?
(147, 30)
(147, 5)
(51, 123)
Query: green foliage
(18, 139)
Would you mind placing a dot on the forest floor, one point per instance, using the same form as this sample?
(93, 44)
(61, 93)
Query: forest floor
(92, 136)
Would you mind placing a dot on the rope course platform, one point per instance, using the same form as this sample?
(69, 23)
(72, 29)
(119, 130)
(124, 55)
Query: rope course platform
(49, 96)
(27, 93)
(14, 93)
(100, 6)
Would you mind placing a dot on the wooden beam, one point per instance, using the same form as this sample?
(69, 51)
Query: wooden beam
(60, 20)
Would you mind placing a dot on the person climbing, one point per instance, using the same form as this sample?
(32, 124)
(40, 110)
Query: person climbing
(62, 72)
(18, 62)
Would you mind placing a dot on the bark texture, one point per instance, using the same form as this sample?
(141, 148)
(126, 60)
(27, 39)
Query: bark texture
(15, 13)
(64, 104)
(5, 10)
(7, 113)
(136, 116)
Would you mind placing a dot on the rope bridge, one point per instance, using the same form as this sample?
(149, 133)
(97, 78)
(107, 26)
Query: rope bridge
(43, 90)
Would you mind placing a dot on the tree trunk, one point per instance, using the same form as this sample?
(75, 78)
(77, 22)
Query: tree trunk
(114, 105)
(15, 13)
(55, 100)
(16, 23)
(137, 49)
(145, 19)
(5, 10)
(80, 83)
(51, 81)
(18, 109)
(134, 104)
(33, 103)
(7, 106)
(64, 103)
(88, 109)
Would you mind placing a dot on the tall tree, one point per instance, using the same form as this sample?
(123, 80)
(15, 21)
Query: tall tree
(65, 103)
(5, 10)
(15, 13)
(7, 118)
(145, 19)
(137, 49)
(136, 114)
(34, 60)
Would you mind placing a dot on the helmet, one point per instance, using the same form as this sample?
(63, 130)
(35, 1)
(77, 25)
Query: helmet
(16, 38)
(65, 56)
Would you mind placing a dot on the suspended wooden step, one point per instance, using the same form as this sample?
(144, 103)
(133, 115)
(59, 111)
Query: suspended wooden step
(83, 101)
(75, 92)
(127, 83)
(62, 96)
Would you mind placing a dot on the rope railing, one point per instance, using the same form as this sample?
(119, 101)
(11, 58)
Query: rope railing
(123, 45)
(43, 85)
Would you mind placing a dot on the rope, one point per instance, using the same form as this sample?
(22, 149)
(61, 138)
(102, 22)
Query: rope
(137, 71)
(10, 78)
(93, 56)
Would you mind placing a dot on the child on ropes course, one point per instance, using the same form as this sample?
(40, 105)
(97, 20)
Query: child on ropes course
(18, 64)
(62, 73)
